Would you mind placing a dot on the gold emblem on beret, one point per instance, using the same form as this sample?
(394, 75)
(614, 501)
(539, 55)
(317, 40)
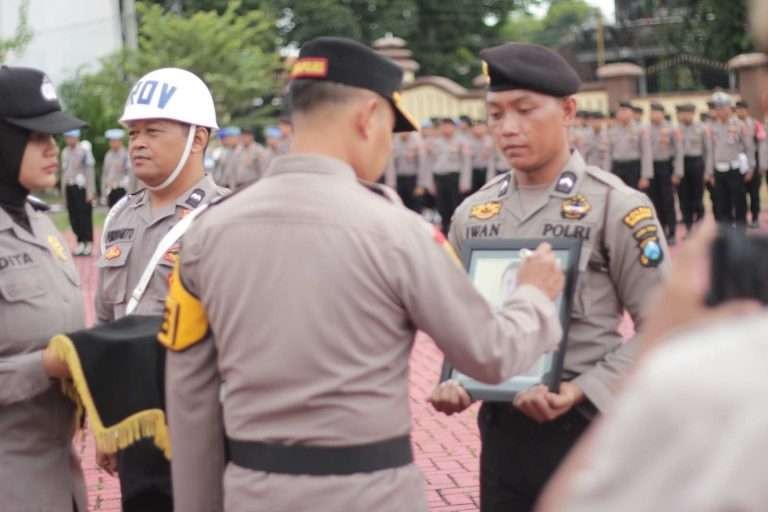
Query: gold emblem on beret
(485, 211)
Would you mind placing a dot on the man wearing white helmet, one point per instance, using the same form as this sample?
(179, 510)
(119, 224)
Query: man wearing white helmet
(116, 169)
(169, 115)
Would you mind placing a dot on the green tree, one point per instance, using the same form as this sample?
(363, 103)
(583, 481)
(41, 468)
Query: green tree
(562, 20)
(710, 28)
(445, 36)
(235, 53)
(21, 37)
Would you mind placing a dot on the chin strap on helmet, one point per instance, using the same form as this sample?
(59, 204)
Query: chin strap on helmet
(182, 162)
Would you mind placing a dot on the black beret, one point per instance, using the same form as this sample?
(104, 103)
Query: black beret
(686, 107)
(657, 107)
(28, 100)
(348, 62)
(531, 67)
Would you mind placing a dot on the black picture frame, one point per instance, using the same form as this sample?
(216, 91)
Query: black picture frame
(548, 370)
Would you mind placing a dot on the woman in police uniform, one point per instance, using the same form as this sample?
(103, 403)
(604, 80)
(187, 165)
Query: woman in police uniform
(39, 297)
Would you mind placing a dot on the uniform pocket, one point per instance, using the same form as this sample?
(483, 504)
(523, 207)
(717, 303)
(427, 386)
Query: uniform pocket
(113, 272)
(23, 285)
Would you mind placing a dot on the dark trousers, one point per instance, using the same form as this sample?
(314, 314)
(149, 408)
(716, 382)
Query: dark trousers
(519, 456)
(628, 171)
(406, 185)
(448, 197)
(753, 192)
(713, 197)
(114, 196)
(731, 197)
(478, 179)
(149, 502)
(80, 213)
(662, 194)
(145, 478)
(691, 190)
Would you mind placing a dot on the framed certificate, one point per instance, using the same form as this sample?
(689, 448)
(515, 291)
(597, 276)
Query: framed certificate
(492, 266)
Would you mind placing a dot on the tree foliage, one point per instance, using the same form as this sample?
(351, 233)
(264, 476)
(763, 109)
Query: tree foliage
(233, 52)
(563, 19)
(445, 36)
(21, 37)
(710, 28)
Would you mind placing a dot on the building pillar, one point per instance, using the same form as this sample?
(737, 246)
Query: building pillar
(751, 70)
(621, 81)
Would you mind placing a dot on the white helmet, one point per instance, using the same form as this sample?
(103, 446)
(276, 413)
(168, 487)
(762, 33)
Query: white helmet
(175, 94)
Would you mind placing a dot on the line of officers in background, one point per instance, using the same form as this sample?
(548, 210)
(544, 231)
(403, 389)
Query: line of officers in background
(723, 150)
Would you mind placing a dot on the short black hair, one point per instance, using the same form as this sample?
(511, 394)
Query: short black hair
(304, 95)
(742, 104)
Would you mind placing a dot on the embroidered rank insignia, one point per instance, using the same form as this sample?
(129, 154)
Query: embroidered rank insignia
(57, 248)
(113, 252)
(645, 233)
(575, 208)
(185, 322)
(566, 182)
(638, 215)
(485, 211)
(651, 254)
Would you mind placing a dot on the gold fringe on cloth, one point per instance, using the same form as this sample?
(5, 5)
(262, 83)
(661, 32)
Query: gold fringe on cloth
(142, 425)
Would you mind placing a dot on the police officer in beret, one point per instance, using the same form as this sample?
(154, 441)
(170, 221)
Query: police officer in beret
(693, 141)
(293, 310)
(667, 169)
(40, 297)
(629, 149)
(551, 192)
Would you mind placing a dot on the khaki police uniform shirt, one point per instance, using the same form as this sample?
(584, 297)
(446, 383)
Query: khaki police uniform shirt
(249, 168)
(631, 142)
(131, 237)
(726, 142)
(225, 171)
(496, 165)
(620, 236)
(311, 289)
(482, 150)
(77, 168)
(666, 146)
(595, 147)
(116, 171)
(452, 156)
(39, 297)
(688, 432)
(694, 139)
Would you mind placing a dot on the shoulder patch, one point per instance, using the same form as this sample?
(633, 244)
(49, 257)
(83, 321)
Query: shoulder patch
(637, 215)
(185, 321)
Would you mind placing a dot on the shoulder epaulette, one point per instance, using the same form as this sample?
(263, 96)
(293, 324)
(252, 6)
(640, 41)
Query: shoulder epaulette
(604, 177)
(38, 204)
(495, 180)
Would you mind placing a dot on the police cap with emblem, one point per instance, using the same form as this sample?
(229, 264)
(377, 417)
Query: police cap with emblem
(28, 100)
(347, 62)
(530, 67)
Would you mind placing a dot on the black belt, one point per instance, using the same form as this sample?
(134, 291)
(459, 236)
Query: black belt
(321, 460)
